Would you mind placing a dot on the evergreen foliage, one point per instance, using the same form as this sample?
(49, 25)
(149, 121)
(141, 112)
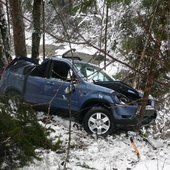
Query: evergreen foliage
(20, 135)
(145, 32)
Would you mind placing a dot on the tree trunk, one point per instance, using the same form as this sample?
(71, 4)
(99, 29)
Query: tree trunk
(150, 79)
(5, 45)
(36, 35)
(1, 58)
(168, 31)
(18, 27)
(106, 32)
(148, 86)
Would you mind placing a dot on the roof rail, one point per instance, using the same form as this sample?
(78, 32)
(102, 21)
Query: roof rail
(72, 49)
(70, 56)
(73, 58)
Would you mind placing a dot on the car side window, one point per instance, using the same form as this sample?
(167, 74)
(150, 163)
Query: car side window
(60, 70)
(18, 67)
(28, 69)
(40, 71)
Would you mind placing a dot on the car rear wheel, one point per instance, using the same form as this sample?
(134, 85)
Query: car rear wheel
(98, 121)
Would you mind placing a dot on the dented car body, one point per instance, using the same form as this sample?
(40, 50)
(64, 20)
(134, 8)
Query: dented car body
(96, 100)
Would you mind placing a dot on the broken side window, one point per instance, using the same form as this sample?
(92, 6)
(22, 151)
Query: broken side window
(60, 70)
(40, 71)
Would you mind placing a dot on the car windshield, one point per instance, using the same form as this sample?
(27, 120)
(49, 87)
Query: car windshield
(92, 73)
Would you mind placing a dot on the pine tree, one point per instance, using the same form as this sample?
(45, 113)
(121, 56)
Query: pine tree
(146, 49)
(20, 134)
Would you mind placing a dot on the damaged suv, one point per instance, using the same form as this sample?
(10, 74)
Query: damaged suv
(96, 100)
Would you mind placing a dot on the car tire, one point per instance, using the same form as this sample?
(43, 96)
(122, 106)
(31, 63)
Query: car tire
(99, 121)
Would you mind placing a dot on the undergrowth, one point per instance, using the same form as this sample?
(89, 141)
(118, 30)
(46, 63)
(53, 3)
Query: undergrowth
(20, 134)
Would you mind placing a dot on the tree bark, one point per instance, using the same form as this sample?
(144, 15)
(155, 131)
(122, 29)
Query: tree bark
(1, 57)
(18, 27)
(5, 46)
(148, 86)
(106, 32)
(168, 31)
(36, 35)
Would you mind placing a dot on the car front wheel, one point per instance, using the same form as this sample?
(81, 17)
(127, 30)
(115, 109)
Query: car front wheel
(98, 121)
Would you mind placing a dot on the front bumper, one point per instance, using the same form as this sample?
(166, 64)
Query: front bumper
(131, 120)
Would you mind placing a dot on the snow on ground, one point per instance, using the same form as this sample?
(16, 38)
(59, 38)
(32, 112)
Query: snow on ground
(113, 152)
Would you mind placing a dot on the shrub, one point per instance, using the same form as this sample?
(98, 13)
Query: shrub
(20, 134)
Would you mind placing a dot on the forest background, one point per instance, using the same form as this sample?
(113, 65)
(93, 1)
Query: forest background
(133, 33)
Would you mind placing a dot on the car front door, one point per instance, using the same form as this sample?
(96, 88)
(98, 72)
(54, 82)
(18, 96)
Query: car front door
(59, 86)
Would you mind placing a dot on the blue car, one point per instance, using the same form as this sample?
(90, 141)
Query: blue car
(61, 85)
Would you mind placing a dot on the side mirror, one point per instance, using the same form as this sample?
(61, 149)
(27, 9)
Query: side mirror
(71, 77)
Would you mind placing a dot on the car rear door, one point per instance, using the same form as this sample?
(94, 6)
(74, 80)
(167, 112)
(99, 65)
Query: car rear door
(13, 77)
(35, 84)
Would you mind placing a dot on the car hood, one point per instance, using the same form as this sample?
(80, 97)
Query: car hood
(120, 87)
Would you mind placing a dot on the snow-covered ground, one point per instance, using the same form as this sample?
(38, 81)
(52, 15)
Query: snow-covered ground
(113, 152)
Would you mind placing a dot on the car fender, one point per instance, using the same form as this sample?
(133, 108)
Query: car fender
(97, 100)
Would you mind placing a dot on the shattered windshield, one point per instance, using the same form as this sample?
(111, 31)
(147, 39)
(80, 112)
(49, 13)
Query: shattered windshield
(92, 73)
